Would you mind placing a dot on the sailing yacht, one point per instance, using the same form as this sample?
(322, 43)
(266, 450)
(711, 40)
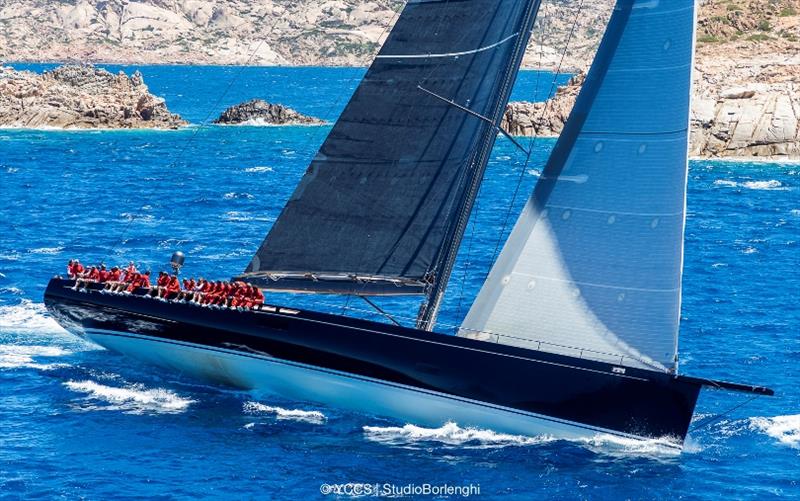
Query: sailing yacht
(575, 330)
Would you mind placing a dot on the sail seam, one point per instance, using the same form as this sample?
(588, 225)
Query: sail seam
(651, 69)
(646, 214)
(621, 133)
(591, 284)
(448, 54)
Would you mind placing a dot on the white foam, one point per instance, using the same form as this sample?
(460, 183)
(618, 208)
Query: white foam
(233, 195)
(16, 356)
(46, 250)
(261, 168)
(771, 184)
(131, 399)
(786, 429)
(763, 185)
(262, 122)
(450, 435)
(237, 217)
(621, 446)
(27, 316)
(314, 417)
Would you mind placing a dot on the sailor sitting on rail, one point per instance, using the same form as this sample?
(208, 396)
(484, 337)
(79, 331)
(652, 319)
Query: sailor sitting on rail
(84, 279)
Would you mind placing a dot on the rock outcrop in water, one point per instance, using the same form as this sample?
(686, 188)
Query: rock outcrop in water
(545, 119)
(81, 97)
(259, 112)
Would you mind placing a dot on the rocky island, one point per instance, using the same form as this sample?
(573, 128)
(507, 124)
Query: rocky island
(259, 112)
(81, 97)
(746, 100)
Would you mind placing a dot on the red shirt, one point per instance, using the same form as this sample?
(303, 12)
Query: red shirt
(258, 296)
(78, 268)
(114, 275)
(103, 275)
(143, 281)
(163, 281)
(174, 285)
(94, 274)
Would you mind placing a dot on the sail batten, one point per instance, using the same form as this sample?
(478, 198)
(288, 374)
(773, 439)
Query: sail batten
(593, 265)
(384, 192)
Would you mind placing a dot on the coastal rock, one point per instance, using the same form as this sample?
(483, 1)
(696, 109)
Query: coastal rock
(259, 112)
(757, 117)
(80, 97)
(544, 119)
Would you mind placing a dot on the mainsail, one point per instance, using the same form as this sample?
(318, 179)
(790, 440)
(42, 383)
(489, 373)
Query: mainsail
(382, 206)
(593, 266)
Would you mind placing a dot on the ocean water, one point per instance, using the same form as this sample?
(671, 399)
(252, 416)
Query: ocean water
(77, 421)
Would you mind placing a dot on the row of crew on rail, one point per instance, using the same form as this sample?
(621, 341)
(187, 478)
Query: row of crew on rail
(202, 292)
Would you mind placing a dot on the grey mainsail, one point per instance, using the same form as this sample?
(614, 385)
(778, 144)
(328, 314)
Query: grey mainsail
(382, 206)
(593, 266)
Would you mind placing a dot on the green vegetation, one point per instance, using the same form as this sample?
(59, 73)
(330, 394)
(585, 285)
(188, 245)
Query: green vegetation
(708, 39)
(764, 25)
(788, 11)
(759, 37)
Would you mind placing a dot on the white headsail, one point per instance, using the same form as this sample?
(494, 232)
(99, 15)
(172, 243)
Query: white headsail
(593, 266)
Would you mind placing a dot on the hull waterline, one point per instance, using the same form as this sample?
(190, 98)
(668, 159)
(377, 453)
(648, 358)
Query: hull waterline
(410, 375)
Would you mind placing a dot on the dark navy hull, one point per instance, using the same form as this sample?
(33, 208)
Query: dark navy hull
(579, 393)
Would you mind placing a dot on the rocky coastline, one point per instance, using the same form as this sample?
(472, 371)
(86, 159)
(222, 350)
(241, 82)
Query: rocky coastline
(746, 101)
(746, 96)
(81, 97)
(260, 112)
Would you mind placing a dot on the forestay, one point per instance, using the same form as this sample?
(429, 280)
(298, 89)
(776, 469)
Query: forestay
(593, 266)
(382, 197)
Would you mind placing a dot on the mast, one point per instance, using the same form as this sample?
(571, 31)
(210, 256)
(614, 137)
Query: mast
(429, 311)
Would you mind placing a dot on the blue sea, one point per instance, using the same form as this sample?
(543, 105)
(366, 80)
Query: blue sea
(79, 422)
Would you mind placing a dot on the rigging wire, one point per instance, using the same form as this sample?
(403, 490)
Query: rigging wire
(475, 212)
(715, 418)
(524, 169)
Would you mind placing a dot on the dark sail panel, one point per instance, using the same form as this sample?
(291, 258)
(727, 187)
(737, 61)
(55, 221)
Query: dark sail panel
(381, 198)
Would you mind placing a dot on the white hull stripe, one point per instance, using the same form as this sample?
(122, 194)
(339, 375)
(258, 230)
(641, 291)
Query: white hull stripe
(272, 360)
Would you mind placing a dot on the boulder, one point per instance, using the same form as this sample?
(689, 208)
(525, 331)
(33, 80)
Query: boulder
(260, 112)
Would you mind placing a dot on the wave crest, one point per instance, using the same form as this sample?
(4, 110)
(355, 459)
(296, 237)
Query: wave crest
(450, 435)
(314, 417)
(27, 316)
(131, 399)
(786, 429)
(17, 356)
(772, 184)
(260, 168)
